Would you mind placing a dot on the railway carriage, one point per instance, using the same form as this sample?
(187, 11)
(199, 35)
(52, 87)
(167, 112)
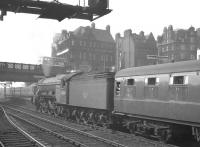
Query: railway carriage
(159, 99)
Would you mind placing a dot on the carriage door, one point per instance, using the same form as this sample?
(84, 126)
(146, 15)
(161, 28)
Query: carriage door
(151, 88)
(130, 88)
(178, 88)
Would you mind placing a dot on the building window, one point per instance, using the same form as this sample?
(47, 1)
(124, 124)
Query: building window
(192, 47)
(182, 56)
(177, 47)
(71, 55)
(182, 47)
(106, 56)
(192, 57)
(81, 43)
(192, 39)
(90, 56)
(172, 57)
(94, 44)
(172, 48)
(84, 43)
(80, 55)
(167, 48)
(73, 42)
(84, 56)
(90, 44)
(102, 58)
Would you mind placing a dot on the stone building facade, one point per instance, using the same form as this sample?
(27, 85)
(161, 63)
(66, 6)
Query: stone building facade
(178, 45)
(132, 49)
(86, 48)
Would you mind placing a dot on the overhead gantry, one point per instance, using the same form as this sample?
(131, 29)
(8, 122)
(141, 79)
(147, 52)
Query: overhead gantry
(55, 9)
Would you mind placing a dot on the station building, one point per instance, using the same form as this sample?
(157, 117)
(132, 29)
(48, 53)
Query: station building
(132, 49)
(86, 48)
(179, 44)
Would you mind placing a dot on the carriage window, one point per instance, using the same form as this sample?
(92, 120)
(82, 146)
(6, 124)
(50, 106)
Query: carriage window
(117, 88)
(151, 81)
(130, 81)
(178, 80)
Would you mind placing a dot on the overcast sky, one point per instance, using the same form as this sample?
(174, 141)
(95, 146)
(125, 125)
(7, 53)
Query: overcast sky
(24, 38)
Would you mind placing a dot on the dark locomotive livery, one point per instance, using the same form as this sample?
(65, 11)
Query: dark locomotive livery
(79, 96)
(158, 101)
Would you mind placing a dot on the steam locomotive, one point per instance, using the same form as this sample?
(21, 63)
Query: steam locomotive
(159, 101)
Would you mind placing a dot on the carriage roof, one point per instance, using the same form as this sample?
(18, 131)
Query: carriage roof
(176, 67)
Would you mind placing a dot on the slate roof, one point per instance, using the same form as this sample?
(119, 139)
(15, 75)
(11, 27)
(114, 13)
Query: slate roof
(93, 33)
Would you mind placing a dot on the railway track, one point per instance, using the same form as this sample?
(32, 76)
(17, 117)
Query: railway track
(46, 136)
(71, 135)
(112, 138)
(13, 136)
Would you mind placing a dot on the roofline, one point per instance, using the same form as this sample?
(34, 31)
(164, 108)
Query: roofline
(177, 67)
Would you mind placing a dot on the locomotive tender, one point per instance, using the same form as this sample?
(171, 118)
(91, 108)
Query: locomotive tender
(159, 101)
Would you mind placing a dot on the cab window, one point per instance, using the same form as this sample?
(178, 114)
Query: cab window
(62, 83)
(117, 88)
